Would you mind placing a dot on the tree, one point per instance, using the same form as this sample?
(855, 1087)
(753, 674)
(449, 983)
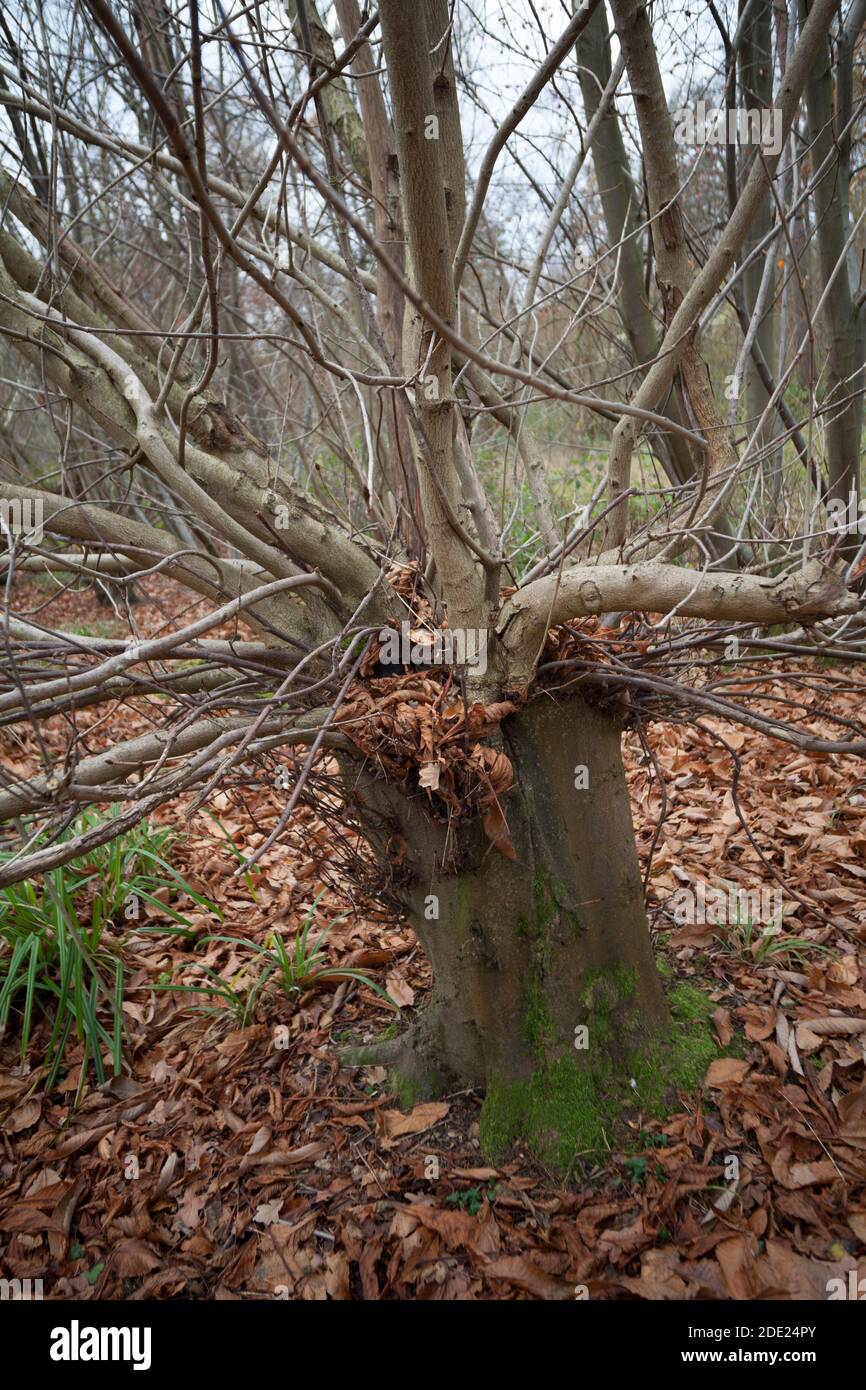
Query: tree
(352, 258)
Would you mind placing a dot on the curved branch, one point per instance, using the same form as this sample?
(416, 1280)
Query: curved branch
(658, 588)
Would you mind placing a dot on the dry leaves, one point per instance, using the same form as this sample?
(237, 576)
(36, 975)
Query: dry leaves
(270, 1171)
(422, 1117)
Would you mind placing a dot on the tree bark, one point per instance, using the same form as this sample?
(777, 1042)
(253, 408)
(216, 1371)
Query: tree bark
(621, 205)
(425, 216)
(397, 460)
(677, 347)
(674, 266)
(756, 92)
(529, 949)
(843, 326)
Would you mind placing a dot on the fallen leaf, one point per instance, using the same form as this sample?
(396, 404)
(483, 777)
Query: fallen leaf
(520, 1271)
(723, 1026)
(24, 1116)
(398, 989)
(269, 1212)
(480, 1234)
(429, 776)
(133, 1257)
(496, 830)
(857, 1222)
(423, 1117)
(726, 1071)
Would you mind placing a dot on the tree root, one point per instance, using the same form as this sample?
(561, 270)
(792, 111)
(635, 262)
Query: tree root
(427, 1059)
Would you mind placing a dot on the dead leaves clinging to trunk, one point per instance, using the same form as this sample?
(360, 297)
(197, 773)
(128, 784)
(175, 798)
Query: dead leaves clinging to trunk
(416, 728)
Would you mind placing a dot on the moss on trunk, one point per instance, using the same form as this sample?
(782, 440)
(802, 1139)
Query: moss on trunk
(577, 1107)
(546, 994)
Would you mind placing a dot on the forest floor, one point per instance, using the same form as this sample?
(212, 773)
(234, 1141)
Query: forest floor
(241, 1162)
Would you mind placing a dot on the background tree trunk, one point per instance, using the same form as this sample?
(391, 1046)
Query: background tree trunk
(756, 93)
(843, 326)
(621, 204)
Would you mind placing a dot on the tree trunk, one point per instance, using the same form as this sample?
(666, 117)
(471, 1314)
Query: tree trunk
(756, 93)
(530, 951)
(842, 323)
(620, 203)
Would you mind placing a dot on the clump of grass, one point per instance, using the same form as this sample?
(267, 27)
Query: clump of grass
(238, 854)
(236, 997)
(54, 960)
(297, 968)
(747, 938)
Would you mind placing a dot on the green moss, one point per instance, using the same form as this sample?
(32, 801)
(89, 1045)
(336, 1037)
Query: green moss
(538, 1026)
(677, 1063)
(405, 1088)
(357, 1056)
(604, 990)
(680, 1061)
(548, 898)
(558, 1112)
(576, 1105)
(606, 996)
(685, 1003)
